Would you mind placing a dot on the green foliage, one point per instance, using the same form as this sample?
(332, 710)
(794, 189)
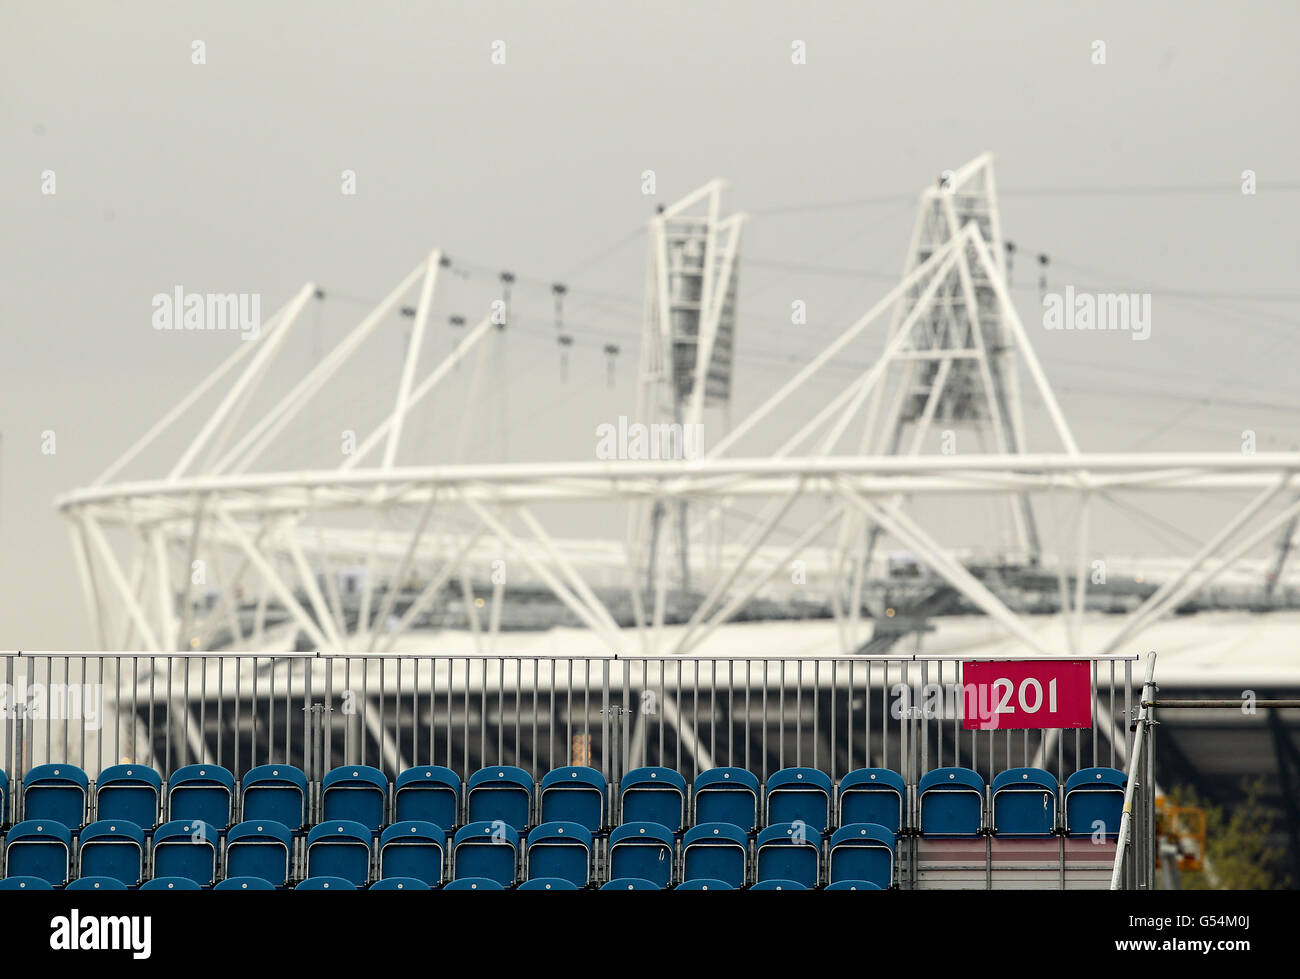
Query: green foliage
(1238, 853)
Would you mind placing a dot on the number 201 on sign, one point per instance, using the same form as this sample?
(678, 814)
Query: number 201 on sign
(1026, 694)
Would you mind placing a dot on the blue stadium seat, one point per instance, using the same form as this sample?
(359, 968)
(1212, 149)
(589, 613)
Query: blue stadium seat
(642, 850)
(58, 793)
(704, 884)
(653, 795)
(131, 792)
(170, 884)
(501, 792)
(486, 850)
(113, 848)
(325, 884)
(862, 851)
(779, 884)
(259, 848)
(716, 851)
(799, 794)
(474, 884)
(4, 797)
(428, 794)
(340, 848)
(244, 884)
(952, 802)
(277, 793)
(25, 884)
(1094, 799)
(872, 795)
(784, 853)
(186, 848)
(727, 795)
(560, 849)
(96, 884)
(39, 848)
(631, 884)
(574, 794)
(854, 885)
(399, 884)
(202, 792)
(355, 792)
(1024, 803)
(413, 849)
(548, 884)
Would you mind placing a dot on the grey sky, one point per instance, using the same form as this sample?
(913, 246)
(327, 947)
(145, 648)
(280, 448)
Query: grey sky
(226, 177)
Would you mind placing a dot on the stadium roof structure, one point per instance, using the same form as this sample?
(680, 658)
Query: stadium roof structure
(955, 352)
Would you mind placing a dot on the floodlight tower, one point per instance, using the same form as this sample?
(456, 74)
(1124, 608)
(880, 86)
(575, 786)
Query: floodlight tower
(959, 370)
(689, 333)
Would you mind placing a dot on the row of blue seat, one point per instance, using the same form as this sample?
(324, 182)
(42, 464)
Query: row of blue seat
(411, 884)
(952, 800)
(116, 850)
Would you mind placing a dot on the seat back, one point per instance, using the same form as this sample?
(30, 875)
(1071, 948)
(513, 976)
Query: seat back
(502, 792)
(355, 792)
(642, 850)
(548, 884)
(429, 794)
(799, 795)
(399, 884)
(853, 885)
(244, 884)
(325, 884)
(186, 848)
(96, 884)
(170, 884)
(488, 850)
(872, 795)
(653, 795)
(131, 792)
(1094, 801)
(39, 848)
(259, 848)
(277, 793)
(704, 884)
(789, 851)
(474, 884)
(952, 802)
(575, 794)
(560, 849)
(862, 851)
(413, 849)
(631, 884)
(1024, 802)
(339, 848)
(727, 795)
(56, 792)
(201, 792)
(113, 848)
(779, 884)
(25, 884)
(716, 851)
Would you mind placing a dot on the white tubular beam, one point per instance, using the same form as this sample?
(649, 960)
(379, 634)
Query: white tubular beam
(1024, 347)
(412, 357)
(566, 567)
(430, 591)
(558, 587)
(272, 578)
(255, 441)
(89, 585)
(268, 344)
(308, 578)
(403, 569)
(948, 568)
(116, 578)
(942, 257)
(425, 386)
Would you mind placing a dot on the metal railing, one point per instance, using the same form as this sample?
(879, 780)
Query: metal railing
(1135, 850)
(614, 713)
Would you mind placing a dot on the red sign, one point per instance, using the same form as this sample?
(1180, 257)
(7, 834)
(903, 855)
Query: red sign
(1026, 694)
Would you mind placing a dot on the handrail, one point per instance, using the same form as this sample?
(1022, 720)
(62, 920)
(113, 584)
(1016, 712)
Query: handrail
(1143, 722)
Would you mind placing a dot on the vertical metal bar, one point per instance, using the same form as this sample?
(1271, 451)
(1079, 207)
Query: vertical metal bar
(586, 711)
(749, 686)
(680, 713)
(780, 724)
(270, 709)
(239, 671)
(625, 716)
(606, 764)
(501, 710)
(171, 713)
(568, 711)
(817, 720)
(713, 709)
(764, 746)
(1128, 706)
(798, 713)
(835, 677)
(519, 706)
